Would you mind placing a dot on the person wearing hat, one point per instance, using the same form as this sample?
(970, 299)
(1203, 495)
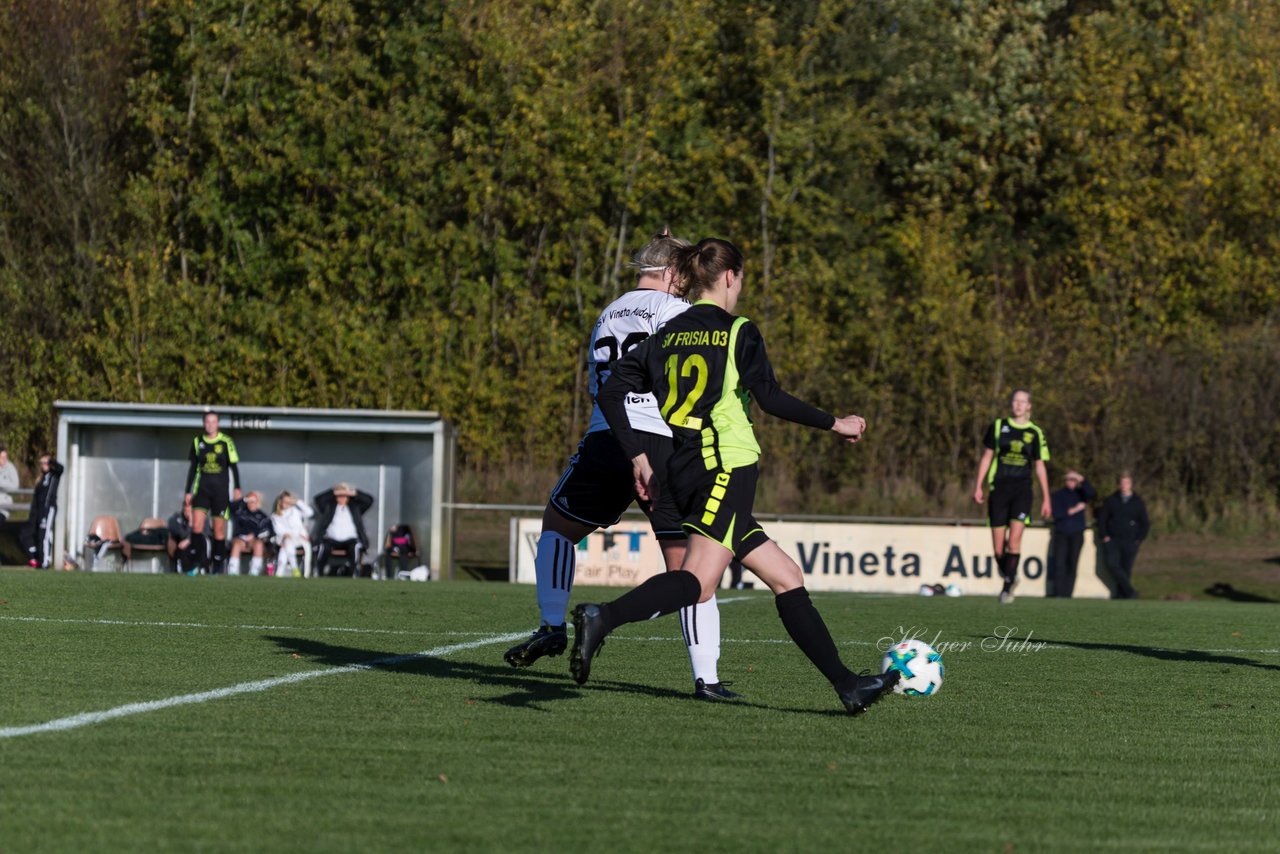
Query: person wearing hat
(1069, 504)
(340, 525)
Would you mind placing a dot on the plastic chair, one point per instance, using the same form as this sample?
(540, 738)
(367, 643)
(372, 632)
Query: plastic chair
(151, 523)
(103, 539)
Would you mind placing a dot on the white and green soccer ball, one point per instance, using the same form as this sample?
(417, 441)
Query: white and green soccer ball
(919, 664)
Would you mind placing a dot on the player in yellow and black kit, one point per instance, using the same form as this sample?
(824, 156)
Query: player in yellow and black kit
(213, 472)
(1015, 451)
(704, 366)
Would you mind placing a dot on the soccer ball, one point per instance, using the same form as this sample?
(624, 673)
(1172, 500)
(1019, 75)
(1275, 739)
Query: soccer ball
(919, 664)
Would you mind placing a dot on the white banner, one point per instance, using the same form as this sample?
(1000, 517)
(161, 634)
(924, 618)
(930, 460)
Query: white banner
(863, 557)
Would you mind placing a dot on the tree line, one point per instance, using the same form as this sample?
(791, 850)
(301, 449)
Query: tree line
(395, 204)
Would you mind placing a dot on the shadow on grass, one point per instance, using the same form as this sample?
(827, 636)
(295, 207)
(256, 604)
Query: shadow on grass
(528, 688)
(1222, 590)
(1193, 655)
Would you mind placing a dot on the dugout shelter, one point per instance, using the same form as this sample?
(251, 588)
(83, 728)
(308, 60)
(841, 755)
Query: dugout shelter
(129, 460)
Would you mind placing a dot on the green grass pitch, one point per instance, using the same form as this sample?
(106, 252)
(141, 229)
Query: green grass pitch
(147, 713)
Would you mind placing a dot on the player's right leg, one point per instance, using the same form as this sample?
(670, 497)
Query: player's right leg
(592, 493)
(554, 564)
(199, 550)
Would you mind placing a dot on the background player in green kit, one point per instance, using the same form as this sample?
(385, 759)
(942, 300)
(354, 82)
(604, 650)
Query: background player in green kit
(1015, 448)
(704, 366)
(210, 477)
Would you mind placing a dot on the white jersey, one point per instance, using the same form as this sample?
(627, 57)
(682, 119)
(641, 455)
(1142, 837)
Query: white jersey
(626, 322)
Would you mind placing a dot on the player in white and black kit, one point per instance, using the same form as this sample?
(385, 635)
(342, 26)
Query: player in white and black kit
(599, 484)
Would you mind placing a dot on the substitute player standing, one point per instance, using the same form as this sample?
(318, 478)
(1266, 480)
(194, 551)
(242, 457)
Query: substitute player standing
(704, 367)
(598, 486)
(213, 472)
(1014, 449)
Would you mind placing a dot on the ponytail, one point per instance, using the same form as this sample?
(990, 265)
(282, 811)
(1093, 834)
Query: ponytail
(699, 267)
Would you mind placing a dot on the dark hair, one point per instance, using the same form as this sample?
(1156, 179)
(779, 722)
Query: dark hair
(698, 267)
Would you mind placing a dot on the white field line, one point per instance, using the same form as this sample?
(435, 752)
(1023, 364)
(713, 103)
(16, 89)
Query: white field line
(624, 637)
(179, 625)
(176, 625)
(88, 718)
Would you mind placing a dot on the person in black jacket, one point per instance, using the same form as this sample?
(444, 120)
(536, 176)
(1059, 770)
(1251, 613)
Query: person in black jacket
(251, 531)
(36, 534)
(1069, 504)
(340, 525)
(1123, 524)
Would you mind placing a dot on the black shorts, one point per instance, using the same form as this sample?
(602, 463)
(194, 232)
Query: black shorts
(1010, 500)
(212, 498)
(717, 505)
(598, 486)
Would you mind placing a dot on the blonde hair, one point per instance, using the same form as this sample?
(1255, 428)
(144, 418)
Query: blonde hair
(657, 254)
(279, 505)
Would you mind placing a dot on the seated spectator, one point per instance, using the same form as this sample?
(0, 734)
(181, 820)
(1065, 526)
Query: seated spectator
(8, 483)
(340, 525)
(400, 545)
(251, 531)
(289, 519)
(184, 550)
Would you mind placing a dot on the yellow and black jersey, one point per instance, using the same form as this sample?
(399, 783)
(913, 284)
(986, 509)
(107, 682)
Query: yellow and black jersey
(212, 461)
(704, 367)
(1016, 448)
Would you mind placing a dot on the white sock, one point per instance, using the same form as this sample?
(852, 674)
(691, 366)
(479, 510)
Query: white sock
(700, 625)
(555, 563)
(255, 565)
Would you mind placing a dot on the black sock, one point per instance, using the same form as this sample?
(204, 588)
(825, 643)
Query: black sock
(200, 550)
(664, 593)
(1011, 563)
(804, 624)
(219, 555)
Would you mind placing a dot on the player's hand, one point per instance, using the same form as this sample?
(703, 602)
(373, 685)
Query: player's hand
(186, 500)
(850, 427)
(646, 484)
(977, 494)
(1046, 510)
(235, 495)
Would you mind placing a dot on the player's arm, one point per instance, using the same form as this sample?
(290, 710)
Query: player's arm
(191, 474)
(984, 465)
(1042, 475)
(630, 375)
(758, 378)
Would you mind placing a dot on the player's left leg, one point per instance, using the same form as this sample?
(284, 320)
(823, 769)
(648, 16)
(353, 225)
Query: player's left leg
(808, 630)
(1012, 555)
(219, 557)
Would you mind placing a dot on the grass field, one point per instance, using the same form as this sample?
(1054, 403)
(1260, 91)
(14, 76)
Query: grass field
(356, 715)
